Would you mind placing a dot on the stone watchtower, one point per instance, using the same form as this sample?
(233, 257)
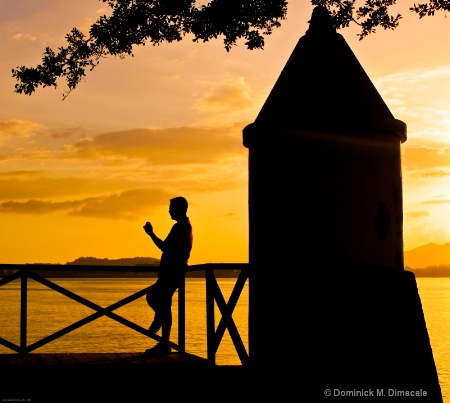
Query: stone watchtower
(328, 290)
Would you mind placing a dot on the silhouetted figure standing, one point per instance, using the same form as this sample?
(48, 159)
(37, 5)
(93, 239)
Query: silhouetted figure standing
(176, 249)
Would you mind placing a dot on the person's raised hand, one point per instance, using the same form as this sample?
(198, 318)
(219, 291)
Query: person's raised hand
(148, 228)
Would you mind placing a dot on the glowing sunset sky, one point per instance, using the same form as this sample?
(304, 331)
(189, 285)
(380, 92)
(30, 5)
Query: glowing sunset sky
(80, 177)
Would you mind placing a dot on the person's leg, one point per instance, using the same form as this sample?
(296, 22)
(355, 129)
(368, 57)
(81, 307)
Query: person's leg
(165, 316)
(165, 311)
(155, 325)
(153, 297)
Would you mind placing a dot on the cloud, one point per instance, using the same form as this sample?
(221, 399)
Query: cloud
(20, 140)
(25, 129)
(184, 145)
(128, 205)
(37, 206)
(425, 175)
(30, 185)
(396, 84)
(19, 128)
(229, 214)
(21, 174)
(421, 101)
(24, 37)
(428, 136)
(27, 141)
(114, 198)
(425, 157)
(226, 97)
(423, 234)
(102, 11)
(437, 201)
(98, 176)
(417, 214)
(425, 164)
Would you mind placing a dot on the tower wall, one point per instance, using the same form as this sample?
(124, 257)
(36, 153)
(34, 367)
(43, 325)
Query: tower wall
(329, 296)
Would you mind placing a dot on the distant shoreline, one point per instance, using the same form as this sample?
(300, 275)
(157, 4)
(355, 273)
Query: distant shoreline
(430, 273)
(147, 267)
(137, 267)
(135, 275)
(442, 270)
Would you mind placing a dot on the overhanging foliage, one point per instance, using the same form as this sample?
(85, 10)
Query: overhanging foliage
(137, 22)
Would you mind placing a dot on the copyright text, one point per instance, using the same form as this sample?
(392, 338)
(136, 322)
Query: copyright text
(374, 393)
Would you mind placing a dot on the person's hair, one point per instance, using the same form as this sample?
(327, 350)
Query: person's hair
(180, 203)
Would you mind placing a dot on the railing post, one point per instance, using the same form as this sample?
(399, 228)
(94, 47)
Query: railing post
(182, 316)
(210, 322)
(23, 312)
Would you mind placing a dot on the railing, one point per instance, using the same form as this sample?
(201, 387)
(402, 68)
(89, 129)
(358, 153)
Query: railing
(213, 295)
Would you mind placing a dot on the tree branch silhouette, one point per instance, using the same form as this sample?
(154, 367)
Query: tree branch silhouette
(137, 22)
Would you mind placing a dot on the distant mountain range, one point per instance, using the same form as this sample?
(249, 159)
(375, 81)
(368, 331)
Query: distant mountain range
(146, 268)
(431, 254)
(424, 256)
(132, 261)
(431, 260)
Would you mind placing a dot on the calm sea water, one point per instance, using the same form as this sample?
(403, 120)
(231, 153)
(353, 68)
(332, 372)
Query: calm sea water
(435, 297)
(49, 311)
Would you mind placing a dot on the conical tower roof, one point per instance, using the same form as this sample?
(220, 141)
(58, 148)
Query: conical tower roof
(324, 87)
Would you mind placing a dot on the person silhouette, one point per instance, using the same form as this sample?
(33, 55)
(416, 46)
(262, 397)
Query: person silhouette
(176, 250)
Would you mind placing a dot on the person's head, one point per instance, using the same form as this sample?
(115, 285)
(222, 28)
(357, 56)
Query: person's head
(178, 207)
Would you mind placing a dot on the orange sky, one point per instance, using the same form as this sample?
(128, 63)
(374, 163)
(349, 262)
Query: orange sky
(80, 177)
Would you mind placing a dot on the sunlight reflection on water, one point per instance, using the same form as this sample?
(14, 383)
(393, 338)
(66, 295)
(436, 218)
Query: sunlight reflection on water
(435, 298)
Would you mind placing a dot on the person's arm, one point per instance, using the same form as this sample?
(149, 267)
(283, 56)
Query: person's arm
(149, 230)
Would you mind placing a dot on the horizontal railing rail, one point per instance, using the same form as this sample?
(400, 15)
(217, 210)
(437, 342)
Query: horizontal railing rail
(39, 272)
